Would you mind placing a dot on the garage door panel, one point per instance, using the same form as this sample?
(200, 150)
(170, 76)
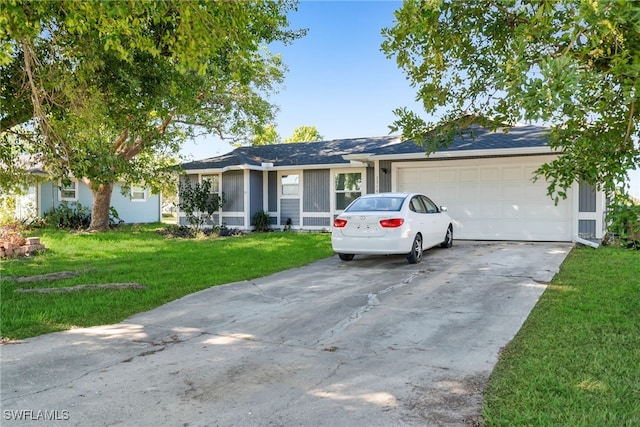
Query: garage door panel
(529, 171)
(544, 230)
(489, 210)
(497, 201)
(429, 176)
(468, 191)
(448, 175)
(512, 174)
(468, 175)
(489, 174)
(510, 211)
(488, 191)
(461, 210)
(512, 191)
(448, 190)
(545, 210)
(536, 190)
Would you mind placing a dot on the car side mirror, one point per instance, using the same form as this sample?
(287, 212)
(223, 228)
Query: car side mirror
(443, 208)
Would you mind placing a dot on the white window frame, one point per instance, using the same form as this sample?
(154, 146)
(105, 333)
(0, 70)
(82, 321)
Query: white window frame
(62, 189)
(215, 190)
(335, 191)
(284, 174)
(138, 189)
(215, 179)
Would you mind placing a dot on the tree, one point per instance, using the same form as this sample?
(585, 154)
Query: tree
(107, 91)
(305, 134)
(573, 65)
(198, 203)
(266, 135)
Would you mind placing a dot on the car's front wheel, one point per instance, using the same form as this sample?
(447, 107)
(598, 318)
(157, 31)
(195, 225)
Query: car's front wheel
(346, 257)
(415, 255)
(448, 238)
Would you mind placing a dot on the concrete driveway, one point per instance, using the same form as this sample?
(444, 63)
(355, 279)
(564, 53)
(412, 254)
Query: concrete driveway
(371, 342)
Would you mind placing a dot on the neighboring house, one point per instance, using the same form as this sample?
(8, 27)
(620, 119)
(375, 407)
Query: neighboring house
(484, 180)
(137, 206)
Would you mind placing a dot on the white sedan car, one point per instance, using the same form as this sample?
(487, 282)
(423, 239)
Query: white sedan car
(391, 223)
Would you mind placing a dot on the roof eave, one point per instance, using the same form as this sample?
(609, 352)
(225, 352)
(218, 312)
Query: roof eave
(275, 167)
(364, 157)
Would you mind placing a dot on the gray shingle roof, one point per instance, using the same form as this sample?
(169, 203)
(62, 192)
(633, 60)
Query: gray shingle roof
(332, 152)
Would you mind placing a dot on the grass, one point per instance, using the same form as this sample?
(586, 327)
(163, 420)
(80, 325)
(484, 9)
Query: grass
(576, 360)
(168, 268)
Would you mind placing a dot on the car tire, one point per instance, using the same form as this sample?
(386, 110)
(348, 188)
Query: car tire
(415, 255)
(346, 257)
(448, 238)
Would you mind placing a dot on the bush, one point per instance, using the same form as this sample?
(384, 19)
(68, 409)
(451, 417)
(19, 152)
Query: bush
(177, 231)
(70, 216)
(623, 217)
(198, 203)
(74, 216)
(261, 221)
(226, 232)
(185, 232)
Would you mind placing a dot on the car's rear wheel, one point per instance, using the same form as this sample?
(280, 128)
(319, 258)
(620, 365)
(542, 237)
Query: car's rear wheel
(448, 238)
(415, 255)
(346, 257)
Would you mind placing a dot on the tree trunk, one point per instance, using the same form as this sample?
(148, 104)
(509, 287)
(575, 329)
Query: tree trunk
(101, 208)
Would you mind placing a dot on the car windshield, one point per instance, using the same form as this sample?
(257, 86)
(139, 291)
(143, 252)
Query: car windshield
(376, 204)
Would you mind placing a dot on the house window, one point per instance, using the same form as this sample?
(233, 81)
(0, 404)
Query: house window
(215, 183)
(348, 187)
(68, 191)
(214, 189)
(138, 193)
(290, 185)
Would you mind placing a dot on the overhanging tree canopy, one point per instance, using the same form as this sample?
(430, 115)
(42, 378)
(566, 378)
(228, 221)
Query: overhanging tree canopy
(571, 64)
(107, 91)
(305, 133)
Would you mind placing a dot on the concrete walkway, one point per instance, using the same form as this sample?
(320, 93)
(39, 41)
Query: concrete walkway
(371, 342)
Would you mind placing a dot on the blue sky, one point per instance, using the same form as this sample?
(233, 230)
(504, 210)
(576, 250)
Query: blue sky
(338, 80)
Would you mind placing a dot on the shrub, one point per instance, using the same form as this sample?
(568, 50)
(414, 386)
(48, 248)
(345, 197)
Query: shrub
(261, 221)
(70, 216)
(198, 203)
(184, 232)
(177, 231)
(623, 217)
(75, 216)
(226, 232)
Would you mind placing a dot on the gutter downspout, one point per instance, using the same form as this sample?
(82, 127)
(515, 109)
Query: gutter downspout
(586, 242)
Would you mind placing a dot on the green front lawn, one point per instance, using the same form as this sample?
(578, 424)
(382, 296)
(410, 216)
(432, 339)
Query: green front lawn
(576, 360)
(168, 268)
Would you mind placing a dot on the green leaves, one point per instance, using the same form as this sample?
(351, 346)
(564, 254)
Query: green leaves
(571, 64)
(198, 203)
(305, 134)
(108, 91)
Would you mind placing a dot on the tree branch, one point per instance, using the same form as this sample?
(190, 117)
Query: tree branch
(128, 152)
(630, 123)
(51, 138)
(120, 141)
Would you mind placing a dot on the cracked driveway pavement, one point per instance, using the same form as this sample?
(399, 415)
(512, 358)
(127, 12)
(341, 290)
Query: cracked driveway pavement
(371, 342)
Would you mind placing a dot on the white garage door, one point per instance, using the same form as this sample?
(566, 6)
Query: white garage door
(491, 199)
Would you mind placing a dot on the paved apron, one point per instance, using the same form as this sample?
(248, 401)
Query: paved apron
(371, 342)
